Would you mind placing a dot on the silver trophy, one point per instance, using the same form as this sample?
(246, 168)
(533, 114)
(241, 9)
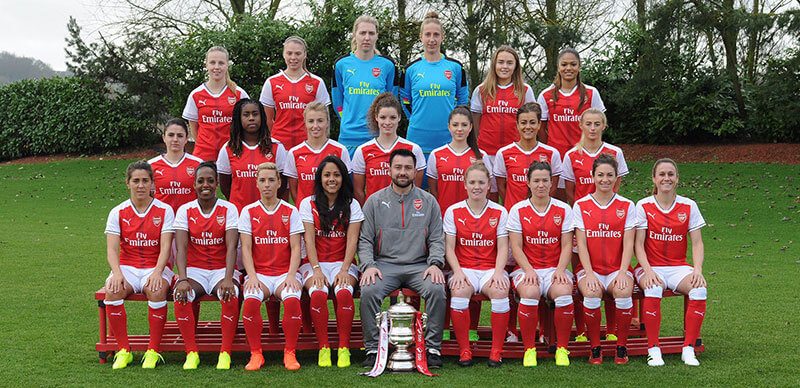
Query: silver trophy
(401, 334)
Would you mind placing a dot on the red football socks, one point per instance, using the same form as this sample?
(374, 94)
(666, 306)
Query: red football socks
(253, 323)
(319, 316)
(118, 320)
(345, 310)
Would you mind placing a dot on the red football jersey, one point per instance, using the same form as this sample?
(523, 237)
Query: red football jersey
(174, 183)
(498, 116)
(476, 234)
(213, 114)
(243, 170)
(140, 234)
(272, 252)
(331, 245)
(563, 116)
(372, 161)
(541, 232)
(302, 162)
(447, 167)
(289, 99)
(578, 167)
(605, 228)
(512, 162)
(668, 229)
(206, 248)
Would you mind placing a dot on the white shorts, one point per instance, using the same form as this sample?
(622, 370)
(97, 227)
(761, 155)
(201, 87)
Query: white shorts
(208, 278)
(604, 279)
(479, 277)
(272, 283)
(545, 276)
(671, 275)
(328, 269)
(493, 180)
(137, 277)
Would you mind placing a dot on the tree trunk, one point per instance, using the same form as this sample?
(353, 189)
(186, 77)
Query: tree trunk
(274, 5)
(551, 39)
(752, 43)
(402, 23)
(729, 30)
(641, 14)
(472, 45)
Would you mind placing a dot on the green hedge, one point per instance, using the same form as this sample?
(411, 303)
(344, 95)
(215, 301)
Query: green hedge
(67, 115)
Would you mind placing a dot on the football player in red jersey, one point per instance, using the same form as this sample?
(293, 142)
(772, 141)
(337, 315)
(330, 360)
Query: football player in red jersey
(302, 160)
(447, 164)
(173, 171)
(476, 248)
(138, 240)
(286, 94)
(540, 233)
(209, 107)
(495, 102)
(271, 232)
(206, 237)
(666, 221)
(332, 221)
(371, 159)
(604, 225)
(249, 146)
(512, 161)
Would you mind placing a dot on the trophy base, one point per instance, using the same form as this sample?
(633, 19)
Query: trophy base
(401, 362)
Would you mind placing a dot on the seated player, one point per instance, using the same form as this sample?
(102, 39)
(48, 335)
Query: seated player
(540, 234)
(476, 248)
(206, 237)
(138, 239)
(270, 231)
(666, 221)
(332, 221)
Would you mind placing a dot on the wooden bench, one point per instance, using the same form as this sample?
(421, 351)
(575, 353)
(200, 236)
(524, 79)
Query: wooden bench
(209, 337)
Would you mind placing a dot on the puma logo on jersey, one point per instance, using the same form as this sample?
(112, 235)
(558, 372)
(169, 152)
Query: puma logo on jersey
(527, 219)
(127, 221)
(351, 71)
(386, 203)
(588, 212)
(442, 158)
(513, 159)
(370, 155)
(579, 161)
(461, 220)
(202, 102)
(193, 219)
(160, 172)
(279, 87)
(421, 75)
(302, 157)
(651, 215)
(257, 219)
(157, 316)
(228, 317)
(651, 313)
(316, 310)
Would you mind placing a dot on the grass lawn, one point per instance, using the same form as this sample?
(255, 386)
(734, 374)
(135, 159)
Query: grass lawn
(52, 250)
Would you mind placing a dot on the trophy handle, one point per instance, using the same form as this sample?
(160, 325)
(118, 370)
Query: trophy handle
(378, 317)
(424, 320)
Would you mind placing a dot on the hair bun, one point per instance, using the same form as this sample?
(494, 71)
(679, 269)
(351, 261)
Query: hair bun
(431, 15)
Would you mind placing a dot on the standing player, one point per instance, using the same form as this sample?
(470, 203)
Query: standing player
(371, 159)
(174, 170)
(270, 230)
(286, 94)
(447, 164)
(495, 102)
(512, 161)
(564, 101)
(666, 221)
(249, 146)
(476, 248)
(540, 234)
(209, 107)
(138, 240)
(206, 237)
(577, 177)
(432, 86)
(604, 223)
(332, 221)
(303, 159)
(357, 78)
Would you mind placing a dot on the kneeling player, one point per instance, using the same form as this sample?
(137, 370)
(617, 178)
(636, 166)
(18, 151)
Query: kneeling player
(476, 248)
(540, 234)
(206, 237)
(139, 239)
(332, 220)
(270, 230)
(665, 220)
(604, 223)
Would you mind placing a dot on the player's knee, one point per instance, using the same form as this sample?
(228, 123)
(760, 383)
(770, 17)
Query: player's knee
(500, 305)
(529, 301)
(654, 292)
(591, 302)
(345, 287)
(235, 292)
(314, 289)
(287, 293)
(459, 303)
(623, 303)
(563, 300)
(699, 293)
(114, 302)
(156, 304)
(257, 294)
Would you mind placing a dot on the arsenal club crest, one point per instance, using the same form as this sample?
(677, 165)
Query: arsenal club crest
(376, 72)
(472, 159)
(543, 158)
(621, 213)
(493, 222)
(309, 88)
(156, 221)
(221, 220)
(557, 219)
(418, 204)
(190, 171)
(232, 100)
(285, 219)
(448, 74)
(682, 217)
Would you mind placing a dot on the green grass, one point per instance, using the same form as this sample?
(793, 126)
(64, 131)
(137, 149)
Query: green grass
(52, 250)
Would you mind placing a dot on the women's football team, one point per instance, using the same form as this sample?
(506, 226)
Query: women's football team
(560, 208)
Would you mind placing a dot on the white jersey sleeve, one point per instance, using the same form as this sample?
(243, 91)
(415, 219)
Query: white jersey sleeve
(641, 215)
(622, 166)
(358, 164)
(266, 98)
(499, 167)
(543, 104)
(476, 102)
(597, 102)
(696, 220)
(280, 157)
(190, 112)
(568, 224)
(566, 169)
(231, 216)
(306, 210)
(529, 96)
(513, 224)
(112, 223)
(224, 161)
(448, 223)
(169, 219)
(630, 216)
(181, 217)
(502, 225)
(431, 169)
(356, 215)
(322, 93)
(290, 167)
(487, 161)
(244, 222)
(556, 166)
(420, 156)
(578, 217)
(295, 224)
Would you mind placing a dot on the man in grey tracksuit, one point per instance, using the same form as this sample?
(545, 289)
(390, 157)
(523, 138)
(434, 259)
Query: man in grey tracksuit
(402, 245)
